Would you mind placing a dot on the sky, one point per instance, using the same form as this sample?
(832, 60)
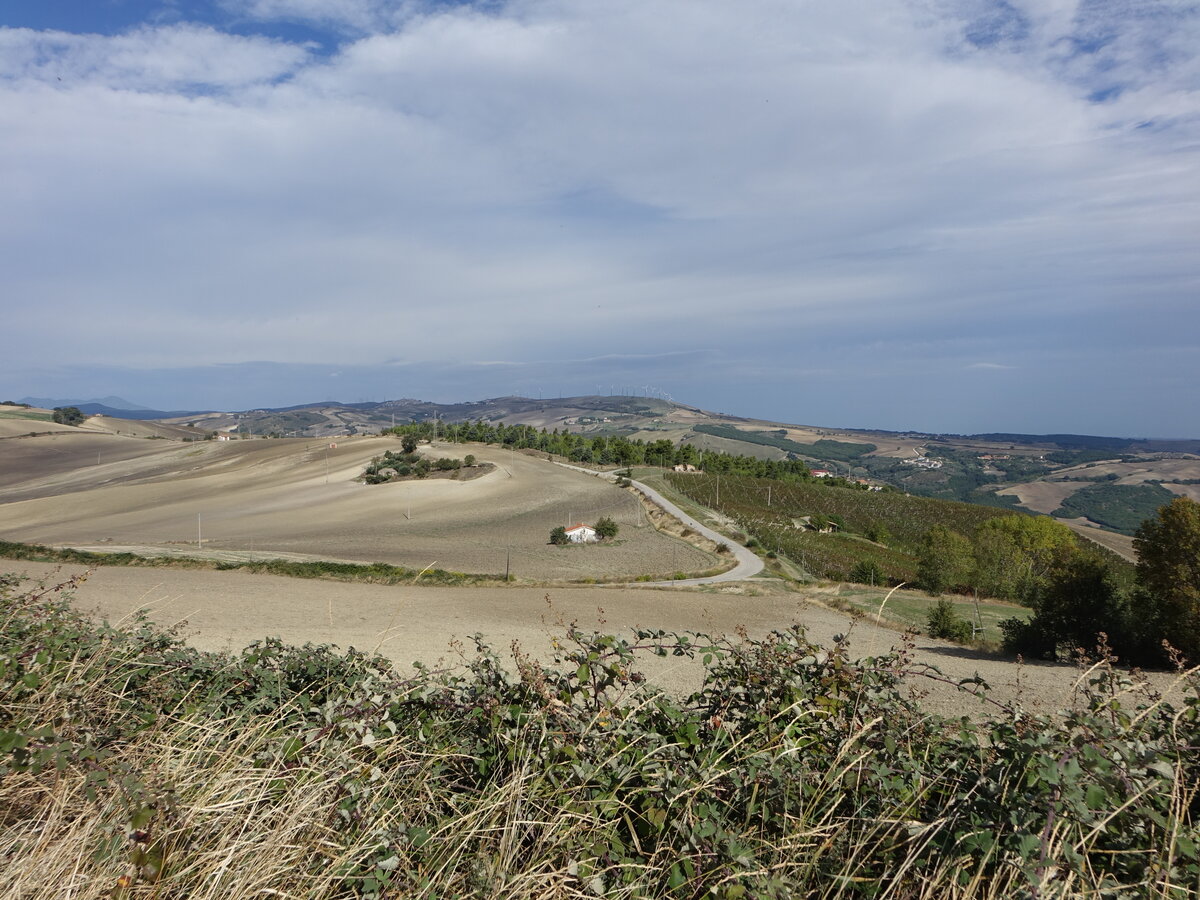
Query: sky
(938, 215)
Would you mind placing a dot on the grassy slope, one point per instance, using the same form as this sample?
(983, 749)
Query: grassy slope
(905, 518)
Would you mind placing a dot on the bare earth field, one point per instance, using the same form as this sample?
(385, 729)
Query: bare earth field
(296, 496)
(1138, 472)
(53, 457)
(1043, 496)
(227, 610)
(12, 426)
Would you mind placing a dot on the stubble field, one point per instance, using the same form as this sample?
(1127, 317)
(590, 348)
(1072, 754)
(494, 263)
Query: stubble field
(299, 497)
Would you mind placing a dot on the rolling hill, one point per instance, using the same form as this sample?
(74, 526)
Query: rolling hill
(1073, 477)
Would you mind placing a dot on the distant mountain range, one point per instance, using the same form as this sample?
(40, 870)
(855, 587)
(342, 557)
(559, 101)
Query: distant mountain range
(117, 407)
(598, 413)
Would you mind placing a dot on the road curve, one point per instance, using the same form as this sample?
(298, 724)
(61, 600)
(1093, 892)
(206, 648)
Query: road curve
(748, 563)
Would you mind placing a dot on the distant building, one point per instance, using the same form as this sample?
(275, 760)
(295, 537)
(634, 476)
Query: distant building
(822, 525)
(687, 467)
(821, 473)
(582, 534)
(923, 462)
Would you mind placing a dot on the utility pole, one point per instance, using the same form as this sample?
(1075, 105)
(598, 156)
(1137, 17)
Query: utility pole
(199, 538)
(507, 562)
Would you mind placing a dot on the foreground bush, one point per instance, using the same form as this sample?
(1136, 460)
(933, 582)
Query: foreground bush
(134, 766)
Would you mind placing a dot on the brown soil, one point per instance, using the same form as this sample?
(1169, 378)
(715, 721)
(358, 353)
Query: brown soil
(1042, 496)
(409, 623)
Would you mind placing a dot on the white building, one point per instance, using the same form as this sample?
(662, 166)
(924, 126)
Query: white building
(582, 534)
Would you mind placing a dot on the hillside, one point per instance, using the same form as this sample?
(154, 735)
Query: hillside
(1063, 475)
(297, 498)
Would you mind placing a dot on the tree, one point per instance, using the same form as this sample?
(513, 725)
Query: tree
(469, 459)
(1015, 554)
(867, 571)
(558, 536)
(1076, 603)
(878, 533)
(1167, 605)
(606, 527)
(68, 415)
(409, 443)
(945, 560)
(943, 621)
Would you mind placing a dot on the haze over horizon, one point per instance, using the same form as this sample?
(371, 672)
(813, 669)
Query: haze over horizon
(977, 216)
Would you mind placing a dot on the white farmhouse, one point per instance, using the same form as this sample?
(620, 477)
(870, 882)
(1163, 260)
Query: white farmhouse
(582, 534)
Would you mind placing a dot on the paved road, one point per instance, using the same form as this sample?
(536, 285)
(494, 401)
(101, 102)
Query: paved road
(748, 563)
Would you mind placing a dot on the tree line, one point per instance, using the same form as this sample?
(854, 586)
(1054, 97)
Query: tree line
(612, 450)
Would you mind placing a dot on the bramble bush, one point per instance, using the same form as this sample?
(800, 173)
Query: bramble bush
(136, 766)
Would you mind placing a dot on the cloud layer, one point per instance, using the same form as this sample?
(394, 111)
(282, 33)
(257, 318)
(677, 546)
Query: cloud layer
(936, 212)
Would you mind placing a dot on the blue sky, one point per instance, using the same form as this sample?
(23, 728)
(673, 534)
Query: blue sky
(948, 216)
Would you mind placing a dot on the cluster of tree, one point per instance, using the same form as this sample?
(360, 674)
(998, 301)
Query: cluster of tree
(394, 465)
(1010, 557)
(1076, 595)
(68, 415)
(15, 403)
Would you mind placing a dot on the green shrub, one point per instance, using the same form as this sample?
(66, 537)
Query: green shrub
(945, 623)
(867, 571)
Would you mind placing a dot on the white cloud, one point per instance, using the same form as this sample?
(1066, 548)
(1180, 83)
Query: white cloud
(174, 58)
(354, 15)
(593, 176)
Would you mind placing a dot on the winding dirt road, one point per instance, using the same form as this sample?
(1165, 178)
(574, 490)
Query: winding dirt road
(748, 562)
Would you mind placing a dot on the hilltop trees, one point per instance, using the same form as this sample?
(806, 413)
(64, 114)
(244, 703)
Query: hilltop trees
(68, 415)
(611, 449)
